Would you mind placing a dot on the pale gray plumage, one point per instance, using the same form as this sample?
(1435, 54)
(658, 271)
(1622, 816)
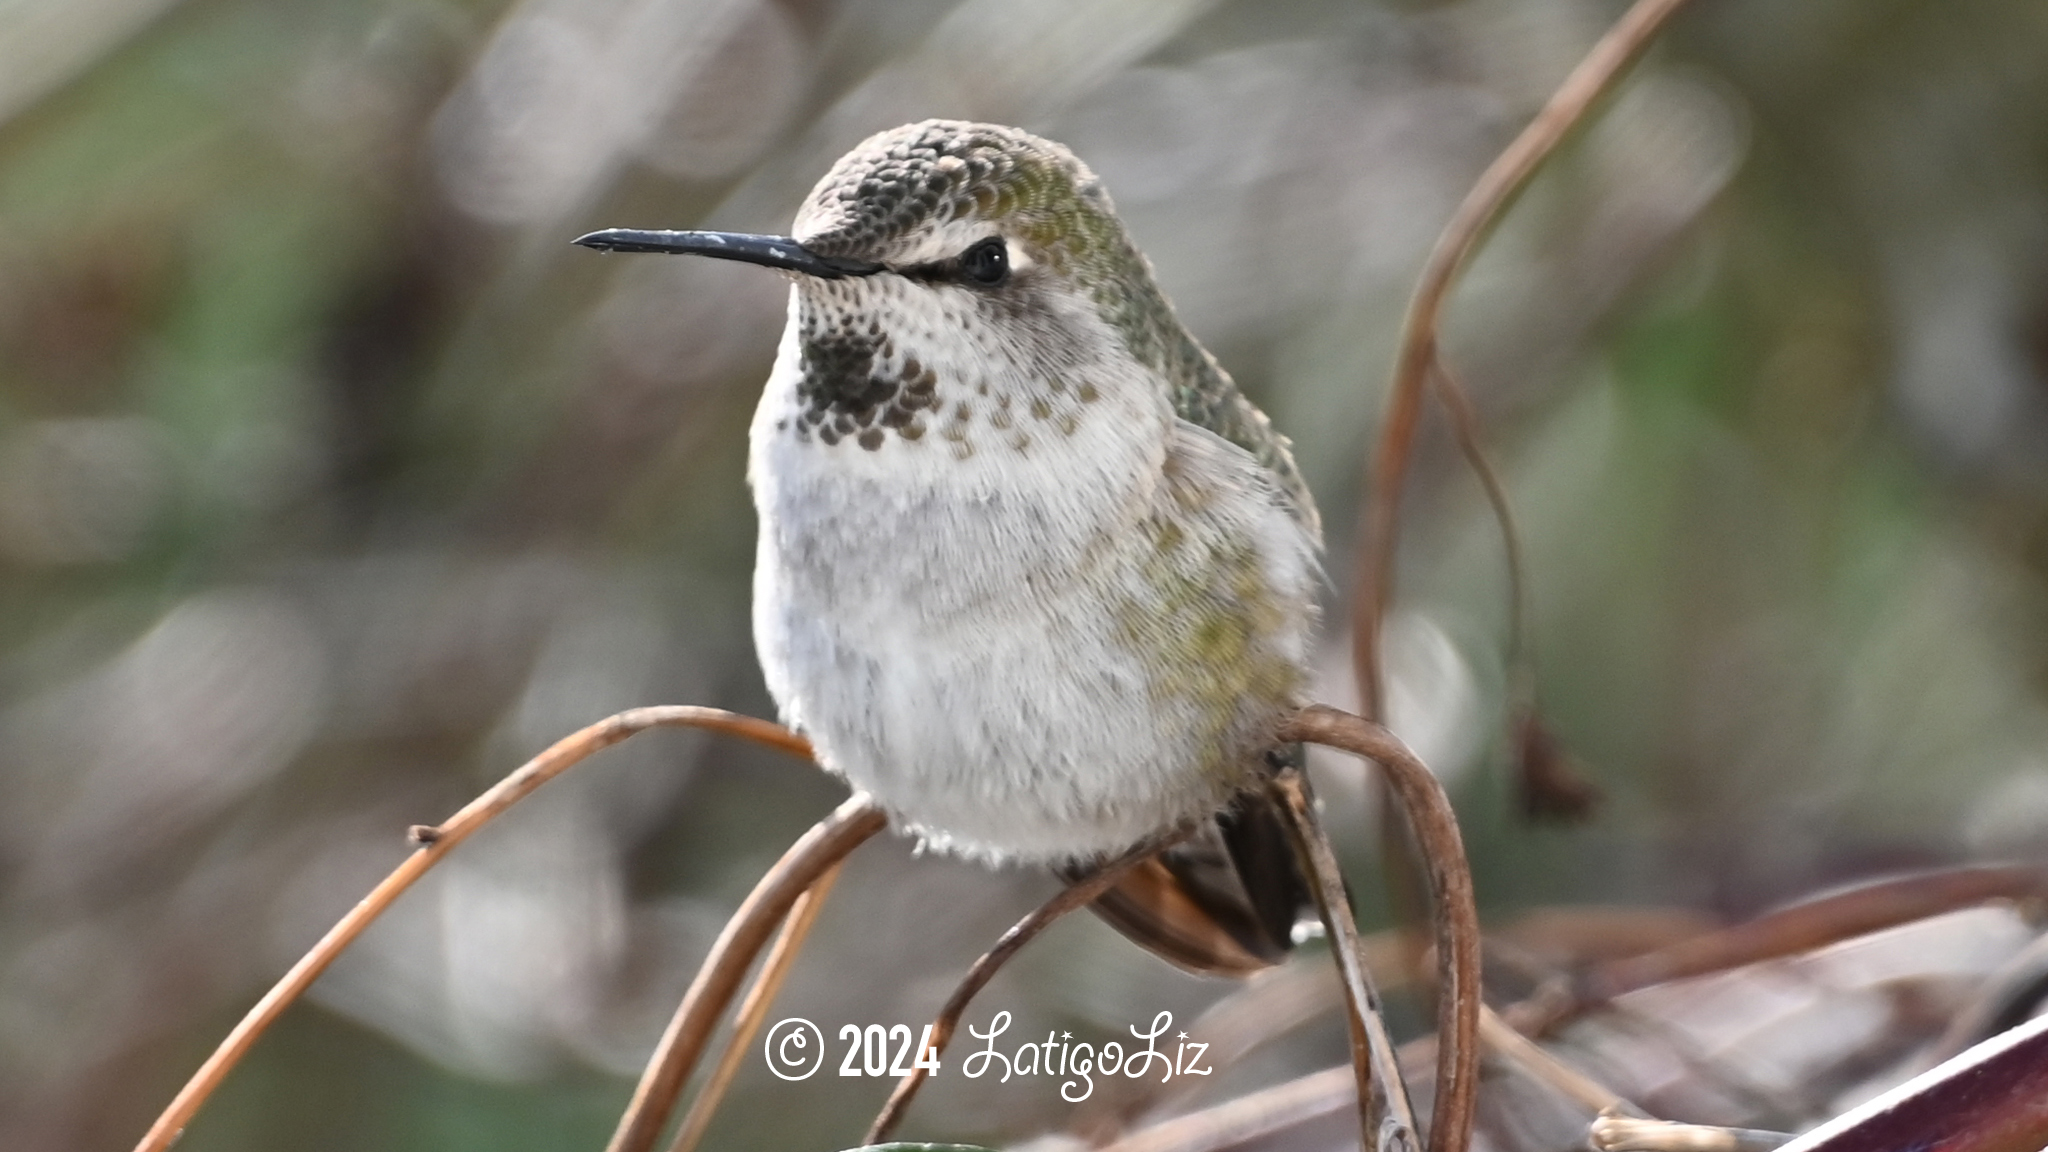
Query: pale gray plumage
(1004, 583)
(1031, 570)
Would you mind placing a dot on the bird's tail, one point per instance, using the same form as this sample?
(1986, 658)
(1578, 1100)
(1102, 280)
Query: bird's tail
(1223, 902)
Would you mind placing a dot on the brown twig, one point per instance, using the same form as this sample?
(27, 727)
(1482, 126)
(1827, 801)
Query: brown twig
(992, 961)
(1546, 1069)
(1264, 1113)
(1818, 922)
(753, 1009)
(1457, 918)
(1465, 427)
(1785, 932)
(1281, 999)
(1545, 777)
(434, 842)
(1268, 1111)
(1418, 354)
(1270, 1004)
(1249, 1117)
(1386, 1118)
(1630, 1134)
(1418, 348)
(827, 843)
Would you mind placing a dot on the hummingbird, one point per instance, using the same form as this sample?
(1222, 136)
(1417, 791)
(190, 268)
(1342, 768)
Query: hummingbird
(1031, 571)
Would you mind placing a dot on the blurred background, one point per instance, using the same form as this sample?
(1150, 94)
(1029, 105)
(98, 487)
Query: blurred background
(334, 483)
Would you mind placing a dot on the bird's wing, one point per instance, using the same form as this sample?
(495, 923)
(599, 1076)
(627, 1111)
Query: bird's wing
(1208, 398)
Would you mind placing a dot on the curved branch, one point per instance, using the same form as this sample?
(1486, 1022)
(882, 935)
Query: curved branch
(753, 1009)
(1386, 1117)
(1465, 427)
(992, 961)
(1418, 348)
(435, 842)
(814, 853)
(1243, 1119)
(1457, 916)
(1816, 923)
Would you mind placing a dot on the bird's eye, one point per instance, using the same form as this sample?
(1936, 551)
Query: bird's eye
(987, 262)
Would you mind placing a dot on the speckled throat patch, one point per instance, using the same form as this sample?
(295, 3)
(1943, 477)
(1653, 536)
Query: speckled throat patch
(853, 386)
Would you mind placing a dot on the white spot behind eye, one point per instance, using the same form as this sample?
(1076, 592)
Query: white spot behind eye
(948, 241)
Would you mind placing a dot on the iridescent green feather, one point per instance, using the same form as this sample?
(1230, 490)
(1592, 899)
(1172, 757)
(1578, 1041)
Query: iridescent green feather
(946, 169)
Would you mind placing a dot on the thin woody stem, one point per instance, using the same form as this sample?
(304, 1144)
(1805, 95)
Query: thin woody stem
(1418, 348)
(1243, 1119)
(1559, 1076)
(1791, 931)
(1456, 919)
(1021, 933)
(1386, 1117)
(435, 842)
(1633, 1134)
(1814, 924)
(718, 979)
(753, 1009)
(1418, 353)
(1465, 427)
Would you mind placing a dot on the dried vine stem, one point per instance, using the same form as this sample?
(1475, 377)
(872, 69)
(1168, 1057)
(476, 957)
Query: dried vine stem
(1559, 1076)
(992, 961)
(1818, 922)
(1632, 1134)
(1386, 1117)
(435, 842)
(1789, 931)
(1270, 1004)
(1456, 919)
(1417, 364)
(1815, 923)
(1418, 349)
(1465, 427)
(753, 1009)
(718, 979)
(1246, 1118)
(1268, 1111)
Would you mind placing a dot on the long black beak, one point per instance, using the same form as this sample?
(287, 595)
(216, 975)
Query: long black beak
(771, 251)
